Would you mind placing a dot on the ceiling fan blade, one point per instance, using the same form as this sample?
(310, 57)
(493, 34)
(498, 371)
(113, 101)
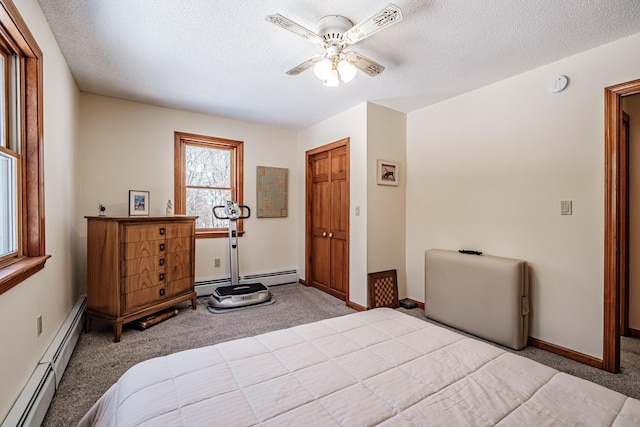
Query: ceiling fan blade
(365, 64)
(379, 21)
(304, 65)
(295, 28)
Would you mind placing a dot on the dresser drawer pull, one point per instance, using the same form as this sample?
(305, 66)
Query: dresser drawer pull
(161, 277)
(162, 246)
(161, 261)
(161, 292)
(162, 231)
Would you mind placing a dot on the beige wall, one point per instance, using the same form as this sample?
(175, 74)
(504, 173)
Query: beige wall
(377, 234)
(350, 124)
(631, 106)
(130, 146)
(52, 291)
(385, 211)
(487, 170)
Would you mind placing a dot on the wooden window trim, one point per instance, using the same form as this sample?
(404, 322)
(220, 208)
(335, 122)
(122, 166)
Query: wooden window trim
(180, 191)
(32, 230)
(19, 269)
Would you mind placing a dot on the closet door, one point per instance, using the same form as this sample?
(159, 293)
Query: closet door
(339, 222)
(328, 219)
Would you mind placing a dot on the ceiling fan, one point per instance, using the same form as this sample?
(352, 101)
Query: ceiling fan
(334, 33)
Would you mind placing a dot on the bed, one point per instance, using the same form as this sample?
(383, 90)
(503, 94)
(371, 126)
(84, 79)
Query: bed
(377, 367)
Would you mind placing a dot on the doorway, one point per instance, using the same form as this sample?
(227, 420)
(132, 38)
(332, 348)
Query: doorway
(616, 224)
(630, 220)
(327, 219)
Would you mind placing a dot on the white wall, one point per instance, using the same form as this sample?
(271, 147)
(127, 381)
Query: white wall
(631, 106)
(350, 124)
(130, 146)
(52, 291)
(487, 170)
(386, 228)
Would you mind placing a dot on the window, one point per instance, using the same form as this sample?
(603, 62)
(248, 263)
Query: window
(208, 172)
(8, 205)
(22, 243)
(9, 154)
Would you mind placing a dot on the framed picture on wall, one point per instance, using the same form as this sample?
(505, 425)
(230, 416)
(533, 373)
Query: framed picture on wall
(388, 173)
(138, 203)
(272, 192)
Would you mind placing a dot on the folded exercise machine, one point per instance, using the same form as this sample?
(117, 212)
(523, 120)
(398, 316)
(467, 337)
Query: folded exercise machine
(236, 295)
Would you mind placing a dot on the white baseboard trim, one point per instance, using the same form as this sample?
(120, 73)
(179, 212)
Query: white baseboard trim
(206, 287)
(31, 406)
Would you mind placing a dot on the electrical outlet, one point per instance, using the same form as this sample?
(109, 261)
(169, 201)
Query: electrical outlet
(216, 262)
(566, 207)
(39, 325)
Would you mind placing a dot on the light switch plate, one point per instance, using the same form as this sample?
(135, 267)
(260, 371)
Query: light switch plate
(566, 207)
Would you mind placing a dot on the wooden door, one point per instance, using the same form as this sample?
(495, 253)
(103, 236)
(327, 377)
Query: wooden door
(328, 219)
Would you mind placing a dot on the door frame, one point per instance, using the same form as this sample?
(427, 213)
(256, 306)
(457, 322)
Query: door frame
(625, 219)
(308, 191)
(613, 215)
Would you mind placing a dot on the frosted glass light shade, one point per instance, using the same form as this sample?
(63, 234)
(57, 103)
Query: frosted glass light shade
(333, 80)
(323, 69)
(347, 71)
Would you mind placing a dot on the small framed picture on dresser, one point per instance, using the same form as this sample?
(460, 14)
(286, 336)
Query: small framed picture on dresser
(138, 203)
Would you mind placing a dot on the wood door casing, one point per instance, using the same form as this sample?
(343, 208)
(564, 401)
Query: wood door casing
(624, 224)
(327, 219)
(612, 217)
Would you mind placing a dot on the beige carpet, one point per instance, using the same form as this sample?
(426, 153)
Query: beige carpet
(98, 362)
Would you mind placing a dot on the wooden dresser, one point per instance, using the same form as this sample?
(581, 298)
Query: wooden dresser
(137, 266)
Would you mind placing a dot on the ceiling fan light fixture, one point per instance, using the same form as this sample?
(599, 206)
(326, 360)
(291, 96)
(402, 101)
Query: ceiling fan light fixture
(323, 69)
(334, 34)
(333, 80)
(347, 71)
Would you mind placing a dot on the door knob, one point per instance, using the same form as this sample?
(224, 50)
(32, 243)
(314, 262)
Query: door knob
(330, 234)
(324, 234)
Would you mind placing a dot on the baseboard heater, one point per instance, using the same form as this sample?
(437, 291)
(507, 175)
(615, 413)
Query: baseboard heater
(31, 406)
(206, 287)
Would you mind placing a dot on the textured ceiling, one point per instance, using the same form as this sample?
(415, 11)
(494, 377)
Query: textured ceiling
(223, 58)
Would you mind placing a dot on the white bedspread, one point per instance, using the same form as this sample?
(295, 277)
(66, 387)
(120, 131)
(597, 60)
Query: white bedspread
(375, 367)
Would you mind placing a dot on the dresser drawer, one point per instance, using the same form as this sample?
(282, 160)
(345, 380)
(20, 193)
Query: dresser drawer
(177, 258)
(179, 230)
(179, 244)
(179, 286)
(139, 233)
(144, 297)
(131, 267)
(143, 281)
(178, 271)
(143, 249)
